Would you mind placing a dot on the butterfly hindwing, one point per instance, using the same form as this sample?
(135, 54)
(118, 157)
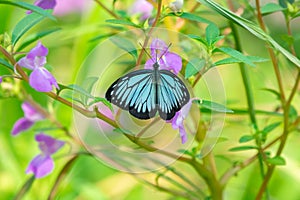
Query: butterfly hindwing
(134, 92)
(172, 94)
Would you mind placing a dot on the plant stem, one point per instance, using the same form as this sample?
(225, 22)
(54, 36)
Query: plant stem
(285, 104)
(106, 9)
(148, 35)
(216, 189)
(235, 169)
(250, 100)
(62, 175)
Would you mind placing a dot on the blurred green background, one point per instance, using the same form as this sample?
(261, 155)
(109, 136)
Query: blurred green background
(91, 179)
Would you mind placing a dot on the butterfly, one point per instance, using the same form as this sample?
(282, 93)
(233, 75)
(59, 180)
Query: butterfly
(148, 91)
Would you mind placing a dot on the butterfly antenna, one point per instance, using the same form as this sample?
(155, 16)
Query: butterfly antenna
(146, 52)
(165, 51)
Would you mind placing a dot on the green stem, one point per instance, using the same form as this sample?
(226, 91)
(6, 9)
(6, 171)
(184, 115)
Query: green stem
(250, 100)
(61, 177)
(216, 189)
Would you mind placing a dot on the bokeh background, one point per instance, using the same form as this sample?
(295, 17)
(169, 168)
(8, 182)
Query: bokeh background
(90, 178)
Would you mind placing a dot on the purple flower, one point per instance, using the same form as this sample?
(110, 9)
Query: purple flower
(43, 164)
(143, 8)
(40, 78)
(166, 60)
(178, 119)
(30, 117)
(1, 79)
(44, 4)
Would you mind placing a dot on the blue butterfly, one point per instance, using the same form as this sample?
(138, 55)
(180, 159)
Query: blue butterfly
(144, 92)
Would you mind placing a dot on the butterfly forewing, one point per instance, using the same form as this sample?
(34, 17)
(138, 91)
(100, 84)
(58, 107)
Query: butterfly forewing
(134, 92)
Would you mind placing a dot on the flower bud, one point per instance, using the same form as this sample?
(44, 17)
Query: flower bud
(176, 5)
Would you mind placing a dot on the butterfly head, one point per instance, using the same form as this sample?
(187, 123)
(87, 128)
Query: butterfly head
(156, 65)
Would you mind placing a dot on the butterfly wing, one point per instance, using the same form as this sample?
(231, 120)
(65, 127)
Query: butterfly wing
(134, 92)
(172, 94)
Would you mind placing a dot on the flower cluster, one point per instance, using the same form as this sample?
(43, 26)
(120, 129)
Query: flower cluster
(43, 164)
(30, 117)
(40, 78)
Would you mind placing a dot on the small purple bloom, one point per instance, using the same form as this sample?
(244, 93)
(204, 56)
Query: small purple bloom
(44, 4)
(166, 60)
(43, 164)
(1, 79)
(143, 8)
(40, 78)
(30, 117)
(178, 119)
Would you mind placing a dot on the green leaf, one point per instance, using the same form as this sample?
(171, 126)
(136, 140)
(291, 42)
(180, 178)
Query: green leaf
(276, 93)
(212, 106)
(198, 38)
(25, 188)
(271, 8)
(185, 152)
(237, 55)
(277, 160)
(88, 85)
(226, 61)
(6, 64)
(212, 34)
(35, 37)
(243, 148)
(190, 16)
(234, 60)
(123, 131)
(28, 6)
(251, 27)
(270, 128)
(76, 89)
(194, 66)
(246, 138)
(122, 22)
(24, 25)
(99, 37)
(102, 100)
(125, 44)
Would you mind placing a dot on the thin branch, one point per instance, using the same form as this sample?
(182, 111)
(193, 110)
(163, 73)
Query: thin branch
(106, 9)
(139, 60)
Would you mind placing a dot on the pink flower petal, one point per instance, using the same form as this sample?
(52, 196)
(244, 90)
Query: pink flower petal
(63, 6)
(27, 63)
(47, 144)
(40, 166)
(172, 62)
(39, 50)
(31, 113)
(42, 80)
(149, 64)
(183, 134)
(143, 8)
(21, 125)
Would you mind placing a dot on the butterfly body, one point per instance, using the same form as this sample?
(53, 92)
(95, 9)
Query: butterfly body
(145, 92)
